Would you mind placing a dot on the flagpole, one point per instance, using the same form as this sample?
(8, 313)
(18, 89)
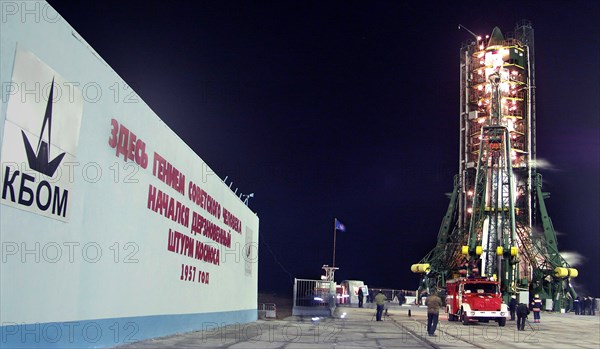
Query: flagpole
(334, 236)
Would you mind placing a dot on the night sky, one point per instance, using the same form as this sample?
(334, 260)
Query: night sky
(349, 109)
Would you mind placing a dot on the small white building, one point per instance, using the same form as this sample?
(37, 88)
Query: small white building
(351, 290)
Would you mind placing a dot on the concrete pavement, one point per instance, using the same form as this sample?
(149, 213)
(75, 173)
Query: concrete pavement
(356, 328)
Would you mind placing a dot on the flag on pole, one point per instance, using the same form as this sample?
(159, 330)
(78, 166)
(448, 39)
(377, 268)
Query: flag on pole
(339, 226)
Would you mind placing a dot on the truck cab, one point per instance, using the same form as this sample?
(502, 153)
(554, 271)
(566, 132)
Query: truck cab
(477, 299)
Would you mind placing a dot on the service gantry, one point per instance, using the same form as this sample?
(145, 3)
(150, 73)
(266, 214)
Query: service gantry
(496, 224)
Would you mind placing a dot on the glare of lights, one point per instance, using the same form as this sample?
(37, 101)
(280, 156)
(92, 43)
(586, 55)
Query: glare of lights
(470, 193)
(343, 316)
(479, 38)
(480, 87)
(481, 47)
(315, 319)
(470, 210)
(318, 299)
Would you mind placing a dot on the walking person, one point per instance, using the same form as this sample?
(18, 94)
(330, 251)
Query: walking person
(536, 307)
(380, 301)
(512, 306)
(587, 306)
(433, 303)
(402, 298)
(522, 312)
(577, 305)
(360, 297)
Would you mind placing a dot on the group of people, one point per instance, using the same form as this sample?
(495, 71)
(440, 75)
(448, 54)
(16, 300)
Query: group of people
(522, 310)
(379, 299)
(433, 302)
(400, 296)
(584, 306)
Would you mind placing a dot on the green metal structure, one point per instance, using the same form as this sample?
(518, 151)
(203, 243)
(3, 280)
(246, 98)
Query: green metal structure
(497, 224)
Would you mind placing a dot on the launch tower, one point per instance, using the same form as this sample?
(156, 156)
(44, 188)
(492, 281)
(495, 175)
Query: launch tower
(496, 224)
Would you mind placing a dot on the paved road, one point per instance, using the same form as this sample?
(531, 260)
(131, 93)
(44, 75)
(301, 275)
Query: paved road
(356, 329)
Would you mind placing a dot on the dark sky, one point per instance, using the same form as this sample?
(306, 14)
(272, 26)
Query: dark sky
(349, 109)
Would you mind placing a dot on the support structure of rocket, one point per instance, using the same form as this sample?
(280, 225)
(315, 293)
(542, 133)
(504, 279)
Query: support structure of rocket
(496, 224)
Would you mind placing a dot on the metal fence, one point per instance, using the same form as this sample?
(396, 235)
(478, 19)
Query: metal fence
(313, 297)
(393, 295)
(267, 310)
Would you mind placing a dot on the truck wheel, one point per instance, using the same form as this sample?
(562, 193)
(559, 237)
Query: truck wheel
(464, 318)
(502, 322)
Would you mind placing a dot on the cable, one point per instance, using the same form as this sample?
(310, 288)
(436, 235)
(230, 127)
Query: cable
(276, 260)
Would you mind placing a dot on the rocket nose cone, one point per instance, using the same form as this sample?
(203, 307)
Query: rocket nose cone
(496, 38)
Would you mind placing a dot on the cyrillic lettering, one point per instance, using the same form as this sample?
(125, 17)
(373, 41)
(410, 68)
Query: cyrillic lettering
(23, 189)
(8, 184)
(38, 195)
(141, 158)
(123, 141)
(60, 204)
(131, 146)
(152, 198)
(168, 207)
(114, 132)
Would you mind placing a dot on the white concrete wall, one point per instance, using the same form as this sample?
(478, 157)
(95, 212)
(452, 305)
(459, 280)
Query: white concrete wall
(98, 271)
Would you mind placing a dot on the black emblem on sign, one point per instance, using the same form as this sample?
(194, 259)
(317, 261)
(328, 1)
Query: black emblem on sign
(38, 160)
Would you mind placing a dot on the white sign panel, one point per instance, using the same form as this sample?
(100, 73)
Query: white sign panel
(41, 134)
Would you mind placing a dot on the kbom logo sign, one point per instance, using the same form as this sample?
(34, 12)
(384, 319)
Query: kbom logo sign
(44, 134)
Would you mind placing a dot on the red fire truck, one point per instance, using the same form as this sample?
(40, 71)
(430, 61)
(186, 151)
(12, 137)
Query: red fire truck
(476, 299)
